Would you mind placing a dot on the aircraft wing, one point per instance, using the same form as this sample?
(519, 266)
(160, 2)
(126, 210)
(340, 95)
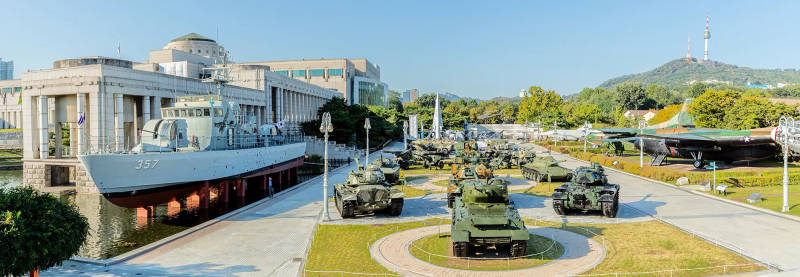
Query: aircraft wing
(715, 139)
(620, 132)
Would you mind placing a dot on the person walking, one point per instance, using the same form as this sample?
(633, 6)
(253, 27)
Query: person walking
(271, 191)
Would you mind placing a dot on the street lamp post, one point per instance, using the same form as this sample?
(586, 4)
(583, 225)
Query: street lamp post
(555, 132)
(585, 135)
(642, 124)
(326, 128)
(405, 135)
(785, 123)
(366, 150)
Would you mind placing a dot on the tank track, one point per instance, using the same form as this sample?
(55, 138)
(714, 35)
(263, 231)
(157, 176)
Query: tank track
(460, 249)
(396, 208)
(558, 207)
(610, 209)
(346, 209)
(518, 248)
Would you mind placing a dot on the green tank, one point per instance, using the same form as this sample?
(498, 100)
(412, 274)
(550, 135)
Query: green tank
(543, 167)
(524, 157)
(390, 169)
(430, 155)
(483, 216)
(365, 191)
(403, 158)
(589, 190)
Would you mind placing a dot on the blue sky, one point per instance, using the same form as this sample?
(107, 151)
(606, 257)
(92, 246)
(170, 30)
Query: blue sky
(478, 49)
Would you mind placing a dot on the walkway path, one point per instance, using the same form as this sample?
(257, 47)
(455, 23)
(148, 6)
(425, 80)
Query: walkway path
(767, 238)
(581, 254)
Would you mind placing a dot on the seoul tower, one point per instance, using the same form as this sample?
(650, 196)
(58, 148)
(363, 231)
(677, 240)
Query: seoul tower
(706, 35)
(689, 49)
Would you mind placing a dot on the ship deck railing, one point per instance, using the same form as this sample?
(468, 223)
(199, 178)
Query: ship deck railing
(192, 144)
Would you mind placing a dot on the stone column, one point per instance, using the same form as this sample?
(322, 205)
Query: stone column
(81, 111)
(156, 107)
(57, 140)
(145, 110)
(43, 147)
(119, 122)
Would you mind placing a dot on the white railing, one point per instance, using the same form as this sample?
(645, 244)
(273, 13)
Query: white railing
(193, 143)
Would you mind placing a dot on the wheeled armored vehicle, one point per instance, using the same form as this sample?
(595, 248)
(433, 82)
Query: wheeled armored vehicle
(589, 190)
(484, 217)
(365, 191)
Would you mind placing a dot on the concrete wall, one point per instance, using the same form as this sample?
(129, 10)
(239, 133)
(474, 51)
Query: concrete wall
(316, 146)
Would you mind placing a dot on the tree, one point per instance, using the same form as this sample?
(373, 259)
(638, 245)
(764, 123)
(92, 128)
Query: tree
(602, 98)
(696, 89)
(540, 105)
(395, 102)
(665, 114)
(348, 123)
(748, 112)
(710, 107)
(661, 95)
(631, 96)
(37, 231)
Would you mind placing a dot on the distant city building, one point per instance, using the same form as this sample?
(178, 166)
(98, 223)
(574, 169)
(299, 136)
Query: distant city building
(410, 95)
(358, 79)
(6, 70)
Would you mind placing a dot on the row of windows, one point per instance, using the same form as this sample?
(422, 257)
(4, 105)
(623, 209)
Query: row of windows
(370, 94)
(312, 72)
(196, 112)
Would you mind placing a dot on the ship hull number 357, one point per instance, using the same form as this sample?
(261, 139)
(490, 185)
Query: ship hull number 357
(146, 164)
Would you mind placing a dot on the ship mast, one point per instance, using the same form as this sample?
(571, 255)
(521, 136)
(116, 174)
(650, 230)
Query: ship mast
(219, 75)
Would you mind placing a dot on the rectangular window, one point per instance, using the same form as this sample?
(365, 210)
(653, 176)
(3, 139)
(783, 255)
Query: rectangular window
(191, 113)
(335, 72)
(299, 73)
(283, 72)
(206, 112)
(183, 113)
(317, 72)
(218, 112)
(198, 112)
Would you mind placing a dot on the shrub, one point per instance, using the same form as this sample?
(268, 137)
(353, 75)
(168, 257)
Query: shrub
(37, 231)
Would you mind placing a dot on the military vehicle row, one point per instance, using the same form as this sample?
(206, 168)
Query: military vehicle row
(366, 190)
(483, 216)
(588, 190)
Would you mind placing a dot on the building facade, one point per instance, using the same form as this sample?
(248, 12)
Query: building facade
(410, 95)
(11, 104)
(357, 79)
(6, 70)
(100, 104)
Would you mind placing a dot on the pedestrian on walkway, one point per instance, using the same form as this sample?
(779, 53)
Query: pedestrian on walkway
(348, 160)
(271, 191)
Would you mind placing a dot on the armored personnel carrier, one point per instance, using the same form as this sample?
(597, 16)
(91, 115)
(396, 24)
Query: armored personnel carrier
(366, 190)
(390, 169)
(543, 167)
(589, 190)
(484, 217)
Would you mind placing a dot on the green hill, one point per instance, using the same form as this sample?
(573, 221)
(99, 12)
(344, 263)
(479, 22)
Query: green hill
(680, 72)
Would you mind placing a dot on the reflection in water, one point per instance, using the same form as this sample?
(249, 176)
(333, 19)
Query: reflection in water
(114, 230)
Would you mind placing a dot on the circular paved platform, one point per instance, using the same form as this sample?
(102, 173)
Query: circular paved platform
(580, 255)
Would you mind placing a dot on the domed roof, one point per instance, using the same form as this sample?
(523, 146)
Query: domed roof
(193, 36)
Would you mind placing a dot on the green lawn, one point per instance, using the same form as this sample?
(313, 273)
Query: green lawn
(442, 183)
(441, 245)
(543, 189)
(772, 197)
(346, 247)
(410, 192)
(653, 246)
